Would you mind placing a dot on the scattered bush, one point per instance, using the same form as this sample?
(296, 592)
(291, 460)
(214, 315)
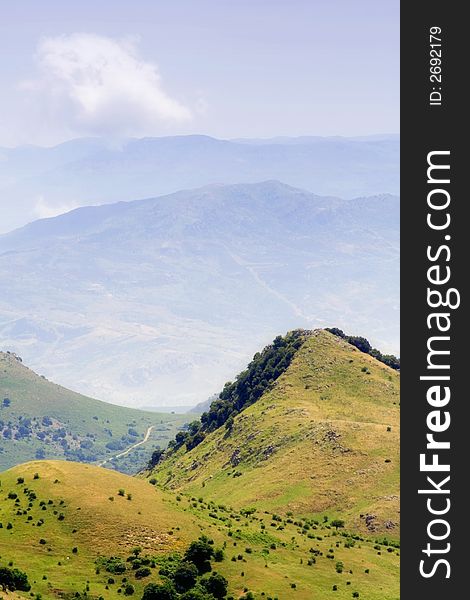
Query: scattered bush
(129, 589)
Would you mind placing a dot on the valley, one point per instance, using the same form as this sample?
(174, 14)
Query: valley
(286, 488)
(39, 419)
(159, 301)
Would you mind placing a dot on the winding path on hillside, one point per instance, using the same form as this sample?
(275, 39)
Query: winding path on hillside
(124, 452)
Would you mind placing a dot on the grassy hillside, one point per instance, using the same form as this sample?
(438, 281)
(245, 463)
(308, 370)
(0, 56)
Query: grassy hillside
(61, 522)
(39, 419)
(323, 439)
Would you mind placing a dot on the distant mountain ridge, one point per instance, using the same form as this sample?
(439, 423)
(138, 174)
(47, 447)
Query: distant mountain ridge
(37, 182)
(158, 301)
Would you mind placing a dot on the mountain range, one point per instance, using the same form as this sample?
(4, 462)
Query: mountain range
(159, 301)
(39, 182)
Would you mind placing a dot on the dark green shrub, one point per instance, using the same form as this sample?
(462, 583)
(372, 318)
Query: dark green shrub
(185, 576)
(14, 579)
(142, 572)
(219, 555)
(216, 584)
(196, 594)
(199, 553)
(163, 591)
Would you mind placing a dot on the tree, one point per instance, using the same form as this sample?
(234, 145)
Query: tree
(199, 553)
(180, 439)
(248, 387)
(335, 331)
(14, 579)
(197, 593)
(142, 572)
(185, 576)
(156, 456)
(360, 343)
(337, 523)
(195, 440)
(216, 585)
(194, 427)
(219, 555)
(162, 591)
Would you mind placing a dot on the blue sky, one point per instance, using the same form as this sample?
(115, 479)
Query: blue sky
(238, 68)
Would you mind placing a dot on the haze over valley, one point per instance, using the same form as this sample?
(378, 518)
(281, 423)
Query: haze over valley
(158, 302)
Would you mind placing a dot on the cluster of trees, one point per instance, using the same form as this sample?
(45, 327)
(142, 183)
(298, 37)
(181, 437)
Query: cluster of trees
(188, 579)
(247, 388)
(364, 346)
(25, 427)
(14, 579)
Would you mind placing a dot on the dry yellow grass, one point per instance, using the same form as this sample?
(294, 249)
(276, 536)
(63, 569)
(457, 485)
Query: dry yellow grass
(325, 439)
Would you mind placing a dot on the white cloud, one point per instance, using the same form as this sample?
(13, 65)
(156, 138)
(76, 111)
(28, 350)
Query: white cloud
(44, 210)
(95, 85)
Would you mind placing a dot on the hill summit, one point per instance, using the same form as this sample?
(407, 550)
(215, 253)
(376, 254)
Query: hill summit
(312, 410)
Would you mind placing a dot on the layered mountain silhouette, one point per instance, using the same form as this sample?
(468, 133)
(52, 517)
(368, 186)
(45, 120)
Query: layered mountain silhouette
(37, 182)
(159, 301)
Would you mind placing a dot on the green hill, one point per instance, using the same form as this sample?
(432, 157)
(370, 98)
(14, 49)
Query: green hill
(322, 438)
(39, 419)
(72, 529)
(290, 484)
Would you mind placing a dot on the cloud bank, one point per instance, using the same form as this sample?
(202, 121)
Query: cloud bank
(96, 85)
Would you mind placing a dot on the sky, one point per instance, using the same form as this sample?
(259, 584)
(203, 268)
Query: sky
(226, 68)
